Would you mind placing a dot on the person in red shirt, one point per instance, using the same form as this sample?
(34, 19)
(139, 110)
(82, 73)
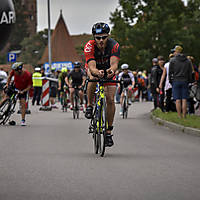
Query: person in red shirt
(102, 55)
(22, 82)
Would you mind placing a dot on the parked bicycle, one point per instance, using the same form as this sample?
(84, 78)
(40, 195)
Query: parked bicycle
(98, 124)
(7, 107)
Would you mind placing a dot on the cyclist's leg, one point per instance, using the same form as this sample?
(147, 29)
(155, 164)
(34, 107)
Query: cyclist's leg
(90, 92)
(72, 96)
(110, 99)
(23, 107)
(61, 97)
(81, 96)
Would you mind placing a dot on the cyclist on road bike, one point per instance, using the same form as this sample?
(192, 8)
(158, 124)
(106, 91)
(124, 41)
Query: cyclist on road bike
(128, 82)
(77, 79)
(61, 82)
(102, 55)
(22, 82)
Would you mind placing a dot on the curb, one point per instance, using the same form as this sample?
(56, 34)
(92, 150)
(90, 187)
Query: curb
(175, 127)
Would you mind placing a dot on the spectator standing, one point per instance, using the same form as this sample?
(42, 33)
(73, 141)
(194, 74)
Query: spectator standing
(156, 73)
(37, 86)
(190, 100)
(167, 86)
(180, 74)
(141, 85)
(161, 63)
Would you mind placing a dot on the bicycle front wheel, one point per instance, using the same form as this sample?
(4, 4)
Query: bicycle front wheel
(124, 108)
(103, 128)
(5, 111)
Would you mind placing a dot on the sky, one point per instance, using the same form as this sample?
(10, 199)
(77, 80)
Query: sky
(79, 15)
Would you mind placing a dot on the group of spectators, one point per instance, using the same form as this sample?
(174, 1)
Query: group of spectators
(171, 82)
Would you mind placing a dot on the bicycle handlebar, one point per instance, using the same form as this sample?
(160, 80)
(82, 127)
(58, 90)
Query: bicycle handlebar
(104, 81)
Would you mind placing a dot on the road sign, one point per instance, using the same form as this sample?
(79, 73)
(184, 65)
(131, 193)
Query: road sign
(12, 57)
(58, 66)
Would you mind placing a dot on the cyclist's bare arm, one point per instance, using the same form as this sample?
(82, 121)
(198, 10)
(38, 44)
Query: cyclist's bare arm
(67, 81)
(114, 61)
(59, 84)
(84, 79)
(26, 89)
(94, 70)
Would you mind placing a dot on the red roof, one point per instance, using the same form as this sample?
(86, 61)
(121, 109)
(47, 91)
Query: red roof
(61, 44)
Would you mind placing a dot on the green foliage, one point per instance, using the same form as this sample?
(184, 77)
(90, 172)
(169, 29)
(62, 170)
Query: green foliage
(33, 47)
(146, 29)
(20, 30)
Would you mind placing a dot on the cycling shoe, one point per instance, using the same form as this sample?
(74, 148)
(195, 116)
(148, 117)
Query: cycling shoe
(88, 112)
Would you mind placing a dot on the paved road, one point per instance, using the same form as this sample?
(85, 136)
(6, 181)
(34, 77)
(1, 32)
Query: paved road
(52, 159)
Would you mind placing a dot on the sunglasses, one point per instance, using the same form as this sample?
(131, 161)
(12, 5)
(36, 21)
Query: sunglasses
(101, 37)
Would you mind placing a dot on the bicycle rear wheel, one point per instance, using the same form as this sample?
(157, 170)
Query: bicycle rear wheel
(5, 111)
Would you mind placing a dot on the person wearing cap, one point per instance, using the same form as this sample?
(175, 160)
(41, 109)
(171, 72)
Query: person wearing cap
(180, 75)
(37, 86)
(156, 73)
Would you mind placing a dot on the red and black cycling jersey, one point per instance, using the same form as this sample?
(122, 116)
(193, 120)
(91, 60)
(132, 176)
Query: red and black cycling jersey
(92, 52)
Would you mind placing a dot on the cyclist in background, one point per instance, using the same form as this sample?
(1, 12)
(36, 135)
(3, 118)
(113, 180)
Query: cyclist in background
(77, 79)
(102, 55)
(61, 82)
(22, 82)
(128, 82)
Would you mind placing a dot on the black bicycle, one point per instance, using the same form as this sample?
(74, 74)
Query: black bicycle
(98, 125)
(7, 107)
(125, 103)
(76, 109)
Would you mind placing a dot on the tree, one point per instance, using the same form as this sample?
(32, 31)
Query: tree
(146, 29)
(33, 47)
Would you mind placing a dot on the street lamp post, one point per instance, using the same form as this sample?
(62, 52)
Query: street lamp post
(49, 35)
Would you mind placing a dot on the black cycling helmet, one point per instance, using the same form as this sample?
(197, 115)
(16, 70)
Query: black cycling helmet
(17, 66)
(100, 28)
(77, 64)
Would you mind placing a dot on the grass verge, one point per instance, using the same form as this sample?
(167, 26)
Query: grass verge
(190, 120)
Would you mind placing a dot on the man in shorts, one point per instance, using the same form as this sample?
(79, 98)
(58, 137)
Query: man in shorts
(22, 82)
(180, 74)
(102, 56)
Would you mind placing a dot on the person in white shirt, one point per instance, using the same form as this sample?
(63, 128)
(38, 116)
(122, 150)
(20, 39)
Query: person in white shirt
(167, 86)
(129, 82)
(3, 80)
